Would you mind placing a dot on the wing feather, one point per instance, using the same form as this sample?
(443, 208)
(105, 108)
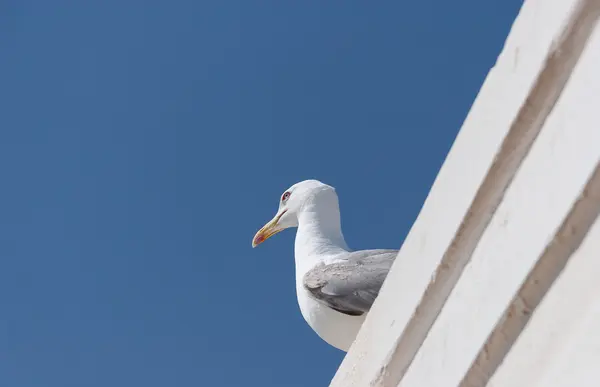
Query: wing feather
(350, 286)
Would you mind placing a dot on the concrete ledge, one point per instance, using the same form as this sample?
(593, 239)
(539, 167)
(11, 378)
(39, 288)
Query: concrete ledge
(403, 342)
(539, 220)
(560, 345)
(578, 105)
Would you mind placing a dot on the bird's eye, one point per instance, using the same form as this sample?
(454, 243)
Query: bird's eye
(285, 196)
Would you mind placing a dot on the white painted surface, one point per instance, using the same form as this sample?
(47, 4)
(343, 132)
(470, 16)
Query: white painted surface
(496, 106)
(561, 344)
(543, 190)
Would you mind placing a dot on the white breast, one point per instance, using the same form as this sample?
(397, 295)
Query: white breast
(337, 329)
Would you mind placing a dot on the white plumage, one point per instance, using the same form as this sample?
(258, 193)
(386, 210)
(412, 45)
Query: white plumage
(335, 286)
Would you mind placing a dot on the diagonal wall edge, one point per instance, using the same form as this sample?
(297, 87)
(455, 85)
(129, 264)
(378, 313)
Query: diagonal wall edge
(550, 265)
(548, 86)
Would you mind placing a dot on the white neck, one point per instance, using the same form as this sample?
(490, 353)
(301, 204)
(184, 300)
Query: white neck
(319, 235)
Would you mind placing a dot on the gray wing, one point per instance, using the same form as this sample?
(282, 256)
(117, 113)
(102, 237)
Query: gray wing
(351, 286)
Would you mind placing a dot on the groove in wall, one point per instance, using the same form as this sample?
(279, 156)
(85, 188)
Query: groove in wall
(549, 266)
(549, 84)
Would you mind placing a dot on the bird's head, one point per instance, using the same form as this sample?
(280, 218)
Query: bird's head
(296, 199)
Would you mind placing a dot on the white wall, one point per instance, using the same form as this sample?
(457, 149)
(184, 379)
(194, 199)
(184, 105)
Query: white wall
(505, 214)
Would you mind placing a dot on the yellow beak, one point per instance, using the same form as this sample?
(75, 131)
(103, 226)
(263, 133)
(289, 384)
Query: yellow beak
(267, 231)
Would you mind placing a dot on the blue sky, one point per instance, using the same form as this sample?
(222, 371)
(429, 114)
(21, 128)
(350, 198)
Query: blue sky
(142, 144)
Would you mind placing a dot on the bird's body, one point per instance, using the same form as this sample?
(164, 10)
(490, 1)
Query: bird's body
(335, 328)
(335, 286)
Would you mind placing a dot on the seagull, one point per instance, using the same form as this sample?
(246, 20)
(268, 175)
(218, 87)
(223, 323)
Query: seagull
(335, 286)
